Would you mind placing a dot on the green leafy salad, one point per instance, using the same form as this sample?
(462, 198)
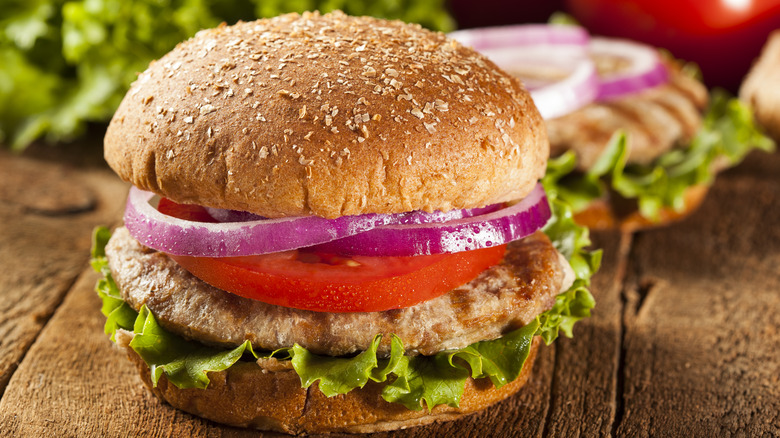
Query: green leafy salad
(413, 381)
(66, 63)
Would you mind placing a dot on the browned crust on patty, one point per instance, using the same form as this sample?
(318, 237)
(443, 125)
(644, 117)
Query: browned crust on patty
(761, 87)
(247, 395)
(327, 115)
(504, 297)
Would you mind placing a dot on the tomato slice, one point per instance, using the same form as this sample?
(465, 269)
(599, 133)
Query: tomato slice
(324, 282)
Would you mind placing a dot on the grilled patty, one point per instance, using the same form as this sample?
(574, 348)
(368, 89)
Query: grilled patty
(656, 120)
(504, 297)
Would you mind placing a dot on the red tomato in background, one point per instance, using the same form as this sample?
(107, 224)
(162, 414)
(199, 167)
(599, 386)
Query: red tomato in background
(722, 36)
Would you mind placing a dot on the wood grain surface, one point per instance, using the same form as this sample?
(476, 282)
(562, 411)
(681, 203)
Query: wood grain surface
(684, 340)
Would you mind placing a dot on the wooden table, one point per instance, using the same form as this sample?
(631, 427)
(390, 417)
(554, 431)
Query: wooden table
(685, 339)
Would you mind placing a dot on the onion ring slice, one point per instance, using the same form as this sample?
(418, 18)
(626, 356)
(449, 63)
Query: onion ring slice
(262, 236)
(643, 67)
(552, 61)
(496, 228)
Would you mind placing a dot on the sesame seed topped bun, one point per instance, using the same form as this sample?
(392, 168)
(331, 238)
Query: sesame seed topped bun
(327, 115)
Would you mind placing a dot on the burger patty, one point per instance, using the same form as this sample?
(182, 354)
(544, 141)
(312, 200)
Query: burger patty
(656, 120)
(504, 297)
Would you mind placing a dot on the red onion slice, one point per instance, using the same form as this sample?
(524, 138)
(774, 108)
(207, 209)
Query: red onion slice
(570, 94)
(561, 78)
(644, 67)
(551, 60)
(522, 34)
(230, 239)
(496, 228)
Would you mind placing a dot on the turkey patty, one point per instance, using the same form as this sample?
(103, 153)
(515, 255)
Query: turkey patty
(504, 297)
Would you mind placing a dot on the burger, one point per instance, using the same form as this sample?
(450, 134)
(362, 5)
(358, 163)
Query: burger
(646, 156)
(636, 139)
(760, 88)
(335, 225)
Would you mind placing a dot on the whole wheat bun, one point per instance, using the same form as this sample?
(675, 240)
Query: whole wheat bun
(761, 88)
(271, 398)
(328, 115)
(604, 214)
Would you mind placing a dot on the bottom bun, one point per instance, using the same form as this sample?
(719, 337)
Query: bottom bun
(271, 398)
(604, 214)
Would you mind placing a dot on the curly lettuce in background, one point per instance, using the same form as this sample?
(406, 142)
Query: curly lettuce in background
(66, 63)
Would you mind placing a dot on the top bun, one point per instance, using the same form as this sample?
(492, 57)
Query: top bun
(329, 115)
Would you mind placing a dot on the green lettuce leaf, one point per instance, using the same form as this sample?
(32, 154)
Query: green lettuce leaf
(69, 62)
(185, 363)
(501, 359)
(119, 314)
(413, 381)
(432, 379)
(336, 375)
(727, 135)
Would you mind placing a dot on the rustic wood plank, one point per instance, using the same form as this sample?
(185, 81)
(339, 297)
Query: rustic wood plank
(74, 383)
(584, 387)
(46, 213)
(702, 316)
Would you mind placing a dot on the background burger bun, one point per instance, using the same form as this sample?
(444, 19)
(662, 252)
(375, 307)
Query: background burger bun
(327, 115)
(761, 88)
